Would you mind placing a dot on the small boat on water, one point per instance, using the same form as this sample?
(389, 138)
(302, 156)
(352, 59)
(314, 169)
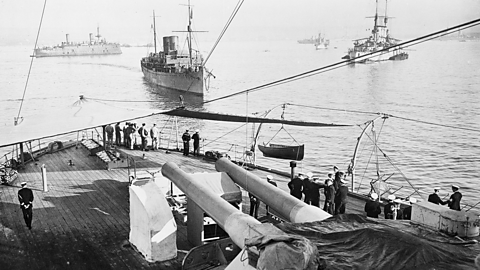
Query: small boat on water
(380, 40)
(91, 47)
(292, 152)
(173, 68)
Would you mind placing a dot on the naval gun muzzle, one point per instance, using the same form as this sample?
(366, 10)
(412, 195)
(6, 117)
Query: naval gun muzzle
(287, 206)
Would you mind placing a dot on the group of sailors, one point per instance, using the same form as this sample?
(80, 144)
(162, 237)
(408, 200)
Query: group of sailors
(454, 201)
(146, 138)
(133, 136)
(394, 210)
(335, 189)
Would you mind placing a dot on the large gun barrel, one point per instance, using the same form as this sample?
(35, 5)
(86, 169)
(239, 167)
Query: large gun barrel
(287, 206)
(233, 221)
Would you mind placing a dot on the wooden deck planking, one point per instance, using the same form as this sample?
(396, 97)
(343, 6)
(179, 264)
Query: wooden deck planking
(69, 229)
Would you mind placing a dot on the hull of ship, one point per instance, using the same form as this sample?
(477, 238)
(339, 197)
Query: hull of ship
(321, 46)
(79, 50)
(390, 56)
(191, 82)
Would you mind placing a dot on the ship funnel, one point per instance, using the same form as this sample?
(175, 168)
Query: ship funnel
(170, 44)
(67, 38)
(91, 37)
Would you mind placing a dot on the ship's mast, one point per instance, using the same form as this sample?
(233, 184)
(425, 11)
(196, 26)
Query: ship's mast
(154, 33)
(375, 26)
(189, 30)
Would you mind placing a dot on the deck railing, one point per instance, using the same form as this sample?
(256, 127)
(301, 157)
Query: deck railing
(237, 153)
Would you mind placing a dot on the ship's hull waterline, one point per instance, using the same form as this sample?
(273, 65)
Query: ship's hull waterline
(79, 50)
(191, 82)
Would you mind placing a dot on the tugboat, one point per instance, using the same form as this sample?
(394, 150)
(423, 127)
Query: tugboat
(380, 39)
(173, 68)
(91, 47)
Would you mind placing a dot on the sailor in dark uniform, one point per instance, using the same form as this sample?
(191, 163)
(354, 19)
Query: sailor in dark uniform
(372, 207)
(25, 197)
(341, 197)
(186, 142)
(454, 201)
(296, 186)
(434, 198)
(329, 191)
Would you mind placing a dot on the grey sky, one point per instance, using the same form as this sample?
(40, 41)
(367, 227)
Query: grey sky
(130, 21)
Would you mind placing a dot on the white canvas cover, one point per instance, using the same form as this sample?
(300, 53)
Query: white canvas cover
(153, 231)
(81, 115)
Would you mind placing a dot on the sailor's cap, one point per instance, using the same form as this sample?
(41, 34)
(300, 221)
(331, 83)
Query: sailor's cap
(269, 177)
(309, 174)
(413, 200)
(374, 196)
(197, 130)
(23, 183)
(436, 188)
(455, 186)
(391, 197)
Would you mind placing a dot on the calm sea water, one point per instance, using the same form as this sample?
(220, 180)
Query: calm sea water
(440, 84)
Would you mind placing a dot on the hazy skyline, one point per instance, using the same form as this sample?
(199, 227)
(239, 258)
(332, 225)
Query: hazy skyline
(130, 22)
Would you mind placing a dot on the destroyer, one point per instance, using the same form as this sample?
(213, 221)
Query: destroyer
(379, 40)
(91, 47)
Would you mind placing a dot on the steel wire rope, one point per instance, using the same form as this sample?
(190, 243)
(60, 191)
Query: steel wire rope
(374, 145)
(435, 124)
(332, 109)
(368, 162)
(31, 61)
(224, 135)
(229, 21)
(396, 167)
(317, 71)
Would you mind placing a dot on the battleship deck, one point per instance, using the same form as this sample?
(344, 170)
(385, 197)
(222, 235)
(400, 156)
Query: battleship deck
(82, 221)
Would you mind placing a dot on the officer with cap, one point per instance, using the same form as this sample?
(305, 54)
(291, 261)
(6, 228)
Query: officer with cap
(296, 186)
(454, 201)
(434, 198)
(25, 197)
(196, 143)
(186, 142)
(372, 207)
(329, 191)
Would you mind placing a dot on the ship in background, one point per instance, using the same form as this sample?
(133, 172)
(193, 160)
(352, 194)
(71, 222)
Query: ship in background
(380, 39)
(322, 42)
(311, 40)
(173, 68)
(92, 47)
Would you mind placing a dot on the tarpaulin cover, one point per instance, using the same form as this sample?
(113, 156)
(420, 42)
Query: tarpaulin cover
(278, 252)
(355, 242)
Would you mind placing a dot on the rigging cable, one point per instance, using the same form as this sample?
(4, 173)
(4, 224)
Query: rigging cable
(435, 124)
(232, 16)
(31, 61)
(349, 61)
(324, 108)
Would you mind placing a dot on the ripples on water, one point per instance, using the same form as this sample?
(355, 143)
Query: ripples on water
(438, 84)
